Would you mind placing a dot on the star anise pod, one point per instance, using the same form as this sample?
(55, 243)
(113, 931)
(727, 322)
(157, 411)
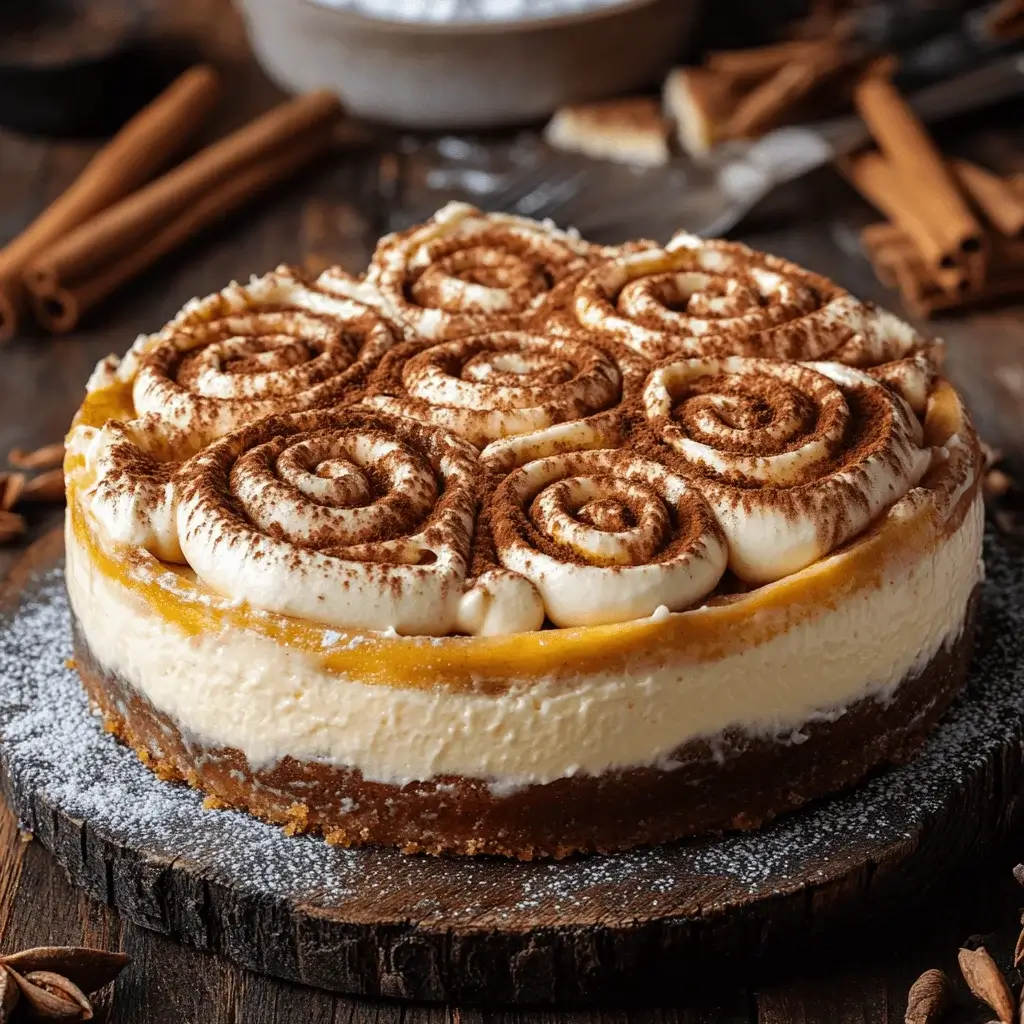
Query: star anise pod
(53, 982)
(987, 983)
(49, 996)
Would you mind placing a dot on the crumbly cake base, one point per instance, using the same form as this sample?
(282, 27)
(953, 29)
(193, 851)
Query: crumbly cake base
(735, 782)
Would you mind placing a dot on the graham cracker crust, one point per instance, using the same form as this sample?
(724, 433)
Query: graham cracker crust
(735, 782)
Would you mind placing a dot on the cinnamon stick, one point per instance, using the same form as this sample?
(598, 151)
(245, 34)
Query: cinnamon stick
(891, 193)
(905, 142)
(1006, 21)
(59, 305)
(999, 285)
(146, 143)
(748, 67)
(997, 198)
(767, 104)
(897, 262)
(112, 238)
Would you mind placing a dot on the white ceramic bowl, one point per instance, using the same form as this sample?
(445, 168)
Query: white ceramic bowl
(478, 75)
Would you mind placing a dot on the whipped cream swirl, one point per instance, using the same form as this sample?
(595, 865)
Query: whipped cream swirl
(133, 489)
(271, 346)
(606, 537)
(347, 518)
(494, 387)
(465, 272)
(796, 459)
(699, 298)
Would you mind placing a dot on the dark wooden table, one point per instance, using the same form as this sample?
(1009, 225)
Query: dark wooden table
(334, 214)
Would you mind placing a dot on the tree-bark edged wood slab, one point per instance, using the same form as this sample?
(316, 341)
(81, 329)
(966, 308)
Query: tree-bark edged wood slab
(375, 922)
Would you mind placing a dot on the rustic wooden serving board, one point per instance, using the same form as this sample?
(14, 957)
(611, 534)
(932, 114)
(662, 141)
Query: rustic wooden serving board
(376, 922)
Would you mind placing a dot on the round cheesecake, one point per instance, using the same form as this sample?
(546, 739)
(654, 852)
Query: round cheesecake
(524, 546)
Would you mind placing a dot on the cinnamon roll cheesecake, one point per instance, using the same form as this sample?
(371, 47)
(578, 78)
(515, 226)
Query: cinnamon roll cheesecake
(521, 545)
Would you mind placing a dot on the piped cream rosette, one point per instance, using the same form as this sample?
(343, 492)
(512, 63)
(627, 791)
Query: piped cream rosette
(347, 518)
(514, 394)
(273, 345)
(700, 298)
(606, 536)
(795, 459)
(465, 272)
(249, 351)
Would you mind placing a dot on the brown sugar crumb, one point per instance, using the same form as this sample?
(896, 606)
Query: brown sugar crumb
(297, 819)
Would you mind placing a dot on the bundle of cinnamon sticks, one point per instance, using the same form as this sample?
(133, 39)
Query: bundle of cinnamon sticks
(811, 74)
(954, 231)
(744, 93)
(116, 219)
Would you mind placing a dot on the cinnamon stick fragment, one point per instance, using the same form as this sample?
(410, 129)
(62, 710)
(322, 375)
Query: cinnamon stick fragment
(997, 198)
(902, 268)
(145, 144)
(905, 142)
(754, 65)
(12, 526)
(48, 456)
(48, 486)
(11, 486)
(1006, 21)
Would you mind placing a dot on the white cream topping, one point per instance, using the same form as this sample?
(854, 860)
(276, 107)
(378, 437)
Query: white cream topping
(786, 489)
(237, 689)
(464, 272)
(143, 513)
(250, 351)
(700, 297)
(499, 602)
(334, 518)
(505, 383)
(623, 518)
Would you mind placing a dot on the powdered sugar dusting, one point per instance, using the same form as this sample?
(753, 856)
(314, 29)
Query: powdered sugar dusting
(57, 757)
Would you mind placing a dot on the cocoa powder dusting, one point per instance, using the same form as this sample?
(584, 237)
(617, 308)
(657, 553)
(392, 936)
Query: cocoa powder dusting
(490, 310)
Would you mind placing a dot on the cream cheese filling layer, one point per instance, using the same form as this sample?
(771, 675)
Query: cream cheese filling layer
(240, 690)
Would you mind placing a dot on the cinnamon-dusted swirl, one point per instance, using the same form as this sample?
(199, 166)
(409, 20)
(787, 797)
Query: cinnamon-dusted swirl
(606, 536)
(273, 345)
(348, 518)
(509, 391)
(703, 298)
(796, 459)
(465, 272)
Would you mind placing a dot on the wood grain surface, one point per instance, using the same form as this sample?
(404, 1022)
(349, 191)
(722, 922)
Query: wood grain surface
(334, 213)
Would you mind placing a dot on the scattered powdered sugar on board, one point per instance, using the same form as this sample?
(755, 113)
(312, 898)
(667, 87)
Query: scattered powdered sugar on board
(56, 756)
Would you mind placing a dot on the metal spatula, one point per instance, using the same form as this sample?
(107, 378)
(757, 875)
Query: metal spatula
(609, 202)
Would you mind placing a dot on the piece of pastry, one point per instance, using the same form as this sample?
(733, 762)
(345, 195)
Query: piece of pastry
(631, 131)
(699, 102)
